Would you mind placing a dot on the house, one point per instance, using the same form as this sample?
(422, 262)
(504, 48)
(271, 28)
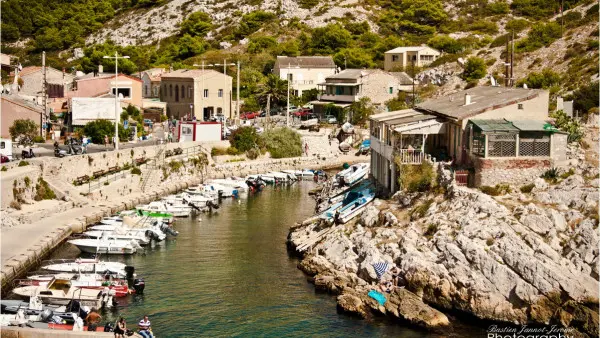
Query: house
(500, 133)
(196, 93)
(402, 57)
(98, 84)
(351, 85)
(151, 82)
(5, 63)
(304, 72)
(59, 82)
(14, 108)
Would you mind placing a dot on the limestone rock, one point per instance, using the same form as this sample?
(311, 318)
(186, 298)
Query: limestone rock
(370, 216)
(408, 306)
(351, 304)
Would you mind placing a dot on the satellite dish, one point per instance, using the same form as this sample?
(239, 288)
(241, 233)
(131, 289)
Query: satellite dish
(525, 85)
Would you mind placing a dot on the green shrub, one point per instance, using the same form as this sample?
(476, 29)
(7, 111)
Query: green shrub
(527, 188)
(497, 190)
(23, 163)
(244, 138)
(546, 79)
(475, 69)
(126, 166)
(431, 230)
(283, 142)
(4, 168)
(136, 171)
(27, 181)
(232, 151)
(420, 210)
(540, 35)
(43, 191)
(415, 178)
(566, 174)
(253, 153)
(39, 139)
(569, 125)
(551, 175)
(175, 165)
(516, 25)
(218, 151)
(446, 44)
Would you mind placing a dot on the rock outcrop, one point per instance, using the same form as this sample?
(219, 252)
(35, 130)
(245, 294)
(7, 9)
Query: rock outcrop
(521, 258)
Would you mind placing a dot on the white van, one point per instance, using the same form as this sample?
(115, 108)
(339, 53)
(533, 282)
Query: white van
(6, 148)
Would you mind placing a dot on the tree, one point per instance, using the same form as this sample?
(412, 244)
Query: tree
(261, 43)
(330, 39)
(424, 12)
(189, 46)
(446, 44)
(274, 86)
(252, 22)
(250, 104)
(197, 24)
(283, 142)
(475, 69)
(24, 131)
(244, 139)
(96, 130)
(353, 58)
(546, 79)
(361, 110)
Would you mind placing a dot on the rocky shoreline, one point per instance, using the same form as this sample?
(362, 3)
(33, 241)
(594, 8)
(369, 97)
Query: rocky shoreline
(522, 258)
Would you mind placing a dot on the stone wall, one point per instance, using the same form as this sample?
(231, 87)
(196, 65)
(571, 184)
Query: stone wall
(514, 171)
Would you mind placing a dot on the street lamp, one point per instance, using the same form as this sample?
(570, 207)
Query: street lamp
(287, 114)
(116, 57)
(237, 101)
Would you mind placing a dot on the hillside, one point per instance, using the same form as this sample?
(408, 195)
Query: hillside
(180, 33)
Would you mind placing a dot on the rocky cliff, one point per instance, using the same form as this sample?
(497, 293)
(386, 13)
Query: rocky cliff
(519, 258)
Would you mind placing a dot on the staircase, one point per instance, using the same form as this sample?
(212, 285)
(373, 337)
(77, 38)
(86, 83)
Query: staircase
(150, 177)
(62, 188)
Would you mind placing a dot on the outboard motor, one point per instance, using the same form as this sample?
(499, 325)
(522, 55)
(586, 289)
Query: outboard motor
(129, 270)
(139, 285)
(109, 327)
(46, 315)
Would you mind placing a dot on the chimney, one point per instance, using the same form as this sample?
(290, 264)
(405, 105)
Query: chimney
(467, 99)
(100, 69)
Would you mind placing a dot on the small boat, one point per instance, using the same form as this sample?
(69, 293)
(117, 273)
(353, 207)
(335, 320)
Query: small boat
(353, 208)
(353, 174)
(85, 281)
(291, 174)
(239, 185)
(61, 292)
(83, 265)
(138, 235)
(204, 190)
(107, 244)
(34, 307)
(162, 207)
(255, 183)
(223, 191)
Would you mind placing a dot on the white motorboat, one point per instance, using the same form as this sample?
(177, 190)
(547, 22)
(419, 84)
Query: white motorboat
(353, 174)
(145, 230)
(86, 281)
(281, 177)
(120, 233)
(291, 174)
(86, 265)
(61, 292)
(239, 185)
(223, 191)
(162, 207)
(356, 206)
(204, 190)
(106, 245)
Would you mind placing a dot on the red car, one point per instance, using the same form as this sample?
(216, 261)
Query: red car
(303, 112)
(250, 115)
(4, 159)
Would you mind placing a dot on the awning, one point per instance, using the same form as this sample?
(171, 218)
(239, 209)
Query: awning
(421, 127)
(500, 125)
(323, 103)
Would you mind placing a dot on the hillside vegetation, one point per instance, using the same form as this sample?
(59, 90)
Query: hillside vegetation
(160, 33)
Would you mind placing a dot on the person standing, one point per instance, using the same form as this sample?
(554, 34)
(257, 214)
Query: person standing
(92, 319)
(306, 148)
(84, 142)
(105, 141)
(144, 328)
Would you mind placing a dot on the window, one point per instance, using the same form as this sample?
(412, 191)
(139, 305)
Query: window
(171, 90)
(146, 90)
(391, 90)
(220, 92)
(124, 92)
(182, 91)
(426, 57)
(520, 106)
(190, 91)
(176, 93)
(2, 145)
(205, 92)
(155, 91)
(395, 58)
(339, 90)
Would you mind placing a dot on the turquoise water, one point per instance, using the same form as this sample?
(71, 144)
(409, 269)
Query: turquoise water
(230, 275)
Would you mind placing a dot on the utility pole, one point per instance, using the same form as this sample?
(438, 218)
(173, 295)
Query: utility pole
(237, 101)
(506, 64)
(287, 114)
(117, 115)
(268, 112)
(45, 95)
(202, 94)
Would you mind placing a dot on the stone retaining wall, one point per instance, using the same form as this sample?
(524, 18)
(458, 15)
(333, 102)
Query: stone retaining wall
(514, 171)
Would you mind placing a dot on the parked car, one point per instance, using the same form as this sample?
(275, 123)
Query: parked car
(4, 159)
(249, 115)
(329, 119)
(303, 112)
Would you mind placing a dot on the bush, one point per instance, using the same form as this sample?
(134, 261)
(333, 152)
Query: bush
(551, 175)
(4, 168)
(218, 151)
(475, 69)
(431, 230)
(283, 142)
(175, 165)
(546, 79)
(527, 188)
(136, 171)
(27, 181)
(516, 25)
(416, 178)
(420, 210)
(566, 174)
(489, 241)
(251, 154)
(23, 163)
(498, 190)
(539, 36)
(445, 43)
(569, 125)
(39, 139)
(96, 130)
(24, 131)
(232, 151)
(43, 191)
(244, 138)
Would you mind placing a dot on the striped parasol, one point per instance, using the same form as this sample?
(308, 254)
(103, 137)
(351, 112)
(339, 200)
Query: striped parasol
(380, 268)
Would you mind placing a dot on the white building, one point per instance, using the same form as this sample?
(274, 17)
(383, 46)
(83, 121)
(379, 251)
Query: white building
(305, 72)
(402, 57)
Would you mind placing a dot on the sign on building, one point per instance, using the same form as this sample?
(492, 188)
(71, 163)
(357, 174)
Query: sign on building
(88, 109)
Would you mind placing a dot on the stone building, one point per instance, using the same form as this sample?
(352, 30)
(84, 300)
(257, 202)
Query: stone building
(151, 82)
(304, 72)
(33, 79)
(99, 84)
(502, 134)
(196, 93)
(351, 85)
(402, 57)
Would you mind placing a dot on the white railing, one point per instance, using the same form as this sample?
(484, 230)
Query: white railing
(411, 156)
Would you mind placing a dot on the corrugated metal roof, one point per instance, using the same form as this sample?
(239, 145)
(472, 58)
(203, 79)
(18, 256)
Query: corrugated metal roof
(495, 125)
(530, 125)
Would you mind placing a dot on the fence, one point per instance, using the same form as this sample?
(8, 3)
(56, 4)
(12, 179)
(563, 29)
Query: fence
(106, 179)
(461, 177)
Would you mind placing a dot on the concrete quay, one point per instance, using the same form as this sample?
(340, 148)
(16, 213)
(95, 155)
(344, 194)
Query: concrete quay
(23, 247)
(27, 332)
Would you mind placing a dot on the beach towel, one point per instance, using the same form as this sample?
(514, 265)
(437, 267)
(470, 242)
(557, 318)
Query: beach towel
(378, 296)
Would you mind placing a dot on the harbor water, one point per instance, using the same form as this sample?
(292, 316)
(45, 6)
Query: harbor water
(229, 274)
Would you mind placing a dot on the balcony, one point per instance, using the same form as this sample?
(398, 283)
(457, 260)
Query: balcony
(339, 98)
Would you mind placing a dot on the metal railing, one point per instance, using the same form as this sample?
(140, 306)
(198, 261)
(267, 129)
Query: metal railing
(106, 179)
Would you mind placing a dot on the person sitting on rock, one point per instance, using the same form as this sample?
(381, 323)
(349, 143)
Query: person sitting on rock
(386, 287)
(395, 272)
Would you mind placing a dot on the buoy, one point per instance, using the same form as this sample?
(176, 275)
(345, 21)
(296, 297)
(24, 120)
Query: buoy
(199, 219)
